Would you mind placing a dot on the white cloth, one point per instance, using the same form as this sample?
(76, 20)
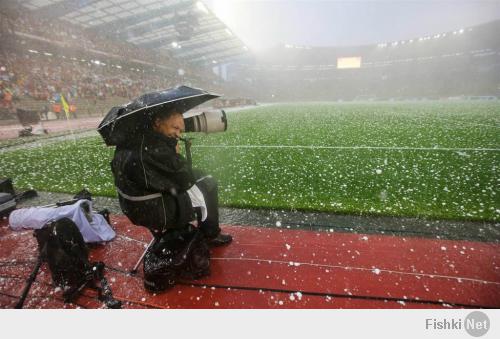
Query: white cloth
(36, 217)
(197, 200)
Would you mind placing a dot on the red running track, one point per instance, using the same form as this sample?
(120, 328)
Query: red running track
(280, 268)
(52, 126)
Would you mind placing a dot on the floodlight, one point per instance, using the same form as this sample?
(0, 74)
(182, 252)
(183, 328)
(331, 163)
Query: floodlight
(201, 6)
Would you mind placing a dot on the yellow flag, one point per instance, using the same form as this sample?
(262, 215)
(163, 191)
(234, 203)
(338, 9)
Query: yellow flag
(65, 106)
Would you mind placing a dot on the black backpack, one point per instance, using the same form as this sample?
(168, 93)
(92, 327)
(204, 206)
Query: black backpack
(61, 244)
(9, 198)
(180, 254)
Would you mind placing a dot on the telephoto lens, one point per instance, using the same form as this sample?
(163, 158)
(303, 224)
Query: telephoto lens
(207, 122)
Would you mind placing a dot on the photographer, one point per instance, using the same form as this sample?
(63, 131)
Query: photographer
(157, 188)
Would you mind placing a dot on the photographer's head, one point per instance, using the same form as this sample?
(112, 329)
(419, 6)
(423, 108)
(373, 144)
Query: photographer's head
(170, 124)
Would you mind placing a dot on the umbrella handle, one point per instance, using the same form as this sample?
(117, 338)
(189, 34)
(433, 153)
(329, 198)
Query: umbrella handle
(187, 145)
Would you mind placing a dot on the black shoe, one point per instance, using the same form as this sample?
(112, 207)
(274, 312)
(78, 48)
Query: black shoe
(220, 240)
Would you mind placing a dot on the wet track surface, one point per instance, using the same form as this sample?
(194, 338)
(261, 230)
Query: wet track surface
(328, 222)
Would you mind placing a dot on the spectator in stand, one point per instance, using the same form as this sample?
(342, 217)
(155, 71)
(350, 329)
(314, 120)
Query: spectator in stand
(44, 113)
(41, 76)
(7, 98)
(57, 109)
(72, 111)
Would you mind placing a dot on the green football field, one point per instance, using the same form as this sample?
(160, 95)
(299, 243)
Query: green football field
(428, 159)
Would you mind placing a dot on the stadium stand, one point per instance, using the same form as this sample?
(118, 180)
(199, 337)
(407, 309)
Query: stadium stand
(45, 57)
(49, 50)
(462, 63)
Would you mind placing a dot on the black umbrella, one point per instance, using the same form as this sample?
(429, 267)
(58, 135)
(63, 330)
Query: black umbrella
(123, 123)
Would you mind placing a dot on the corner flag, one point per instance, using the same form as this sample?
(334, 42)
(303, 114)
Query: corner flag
(65, 106)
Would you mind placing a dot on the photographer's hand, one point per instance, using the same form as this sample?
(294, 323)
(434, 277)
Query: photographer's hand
(178, 148)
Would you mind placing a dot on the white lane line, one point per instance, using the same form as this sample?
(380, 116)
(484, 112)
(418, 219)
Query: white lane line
(7, 128)
(131, 239)
(347, 268)
(355, 148)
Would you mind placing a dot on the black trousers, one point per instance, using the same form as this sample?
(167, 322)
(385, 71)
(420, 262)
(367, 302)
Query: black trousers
(209, 188)
(169, 239)
(159, 215)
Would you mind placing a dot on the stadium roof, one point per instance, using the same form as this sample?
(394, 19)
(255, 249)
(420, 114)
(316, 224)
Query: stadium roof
(186, 28)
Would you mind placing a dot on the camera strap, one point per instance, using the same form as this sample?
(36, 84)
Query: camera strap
(138, 198)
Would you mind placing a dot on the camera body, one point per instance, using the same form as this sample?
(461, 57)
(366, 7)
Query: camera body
(207, 122)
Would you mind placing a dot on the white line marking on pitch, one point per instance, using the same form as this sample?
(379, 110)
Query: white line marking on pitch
(355, 147)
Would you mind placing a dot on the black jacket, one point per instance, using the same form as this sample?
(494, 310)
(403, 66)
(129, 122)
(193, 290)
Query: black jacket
(151, 165)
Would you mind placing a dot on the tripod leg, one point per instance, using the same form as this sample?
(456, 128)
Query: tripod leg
(29, 282)
(105, 293)
(134, 270)
(69, 295)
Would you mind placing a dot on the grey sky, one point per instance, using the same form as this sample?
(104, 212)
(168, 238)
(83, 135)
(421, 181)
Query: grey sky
(263, 24)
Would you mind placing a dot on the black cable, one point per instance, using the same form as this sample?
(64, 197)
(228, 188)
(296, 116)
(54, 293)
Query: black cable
(16, 263)
(344, 296)
(96, 297)
(39, 297)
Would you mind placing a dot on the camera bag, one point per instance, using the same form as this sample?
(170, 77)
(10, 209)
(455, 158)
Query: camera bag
(61, 244)
(6, 186)
(9, 198)
(7, 203)
(180, 254)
